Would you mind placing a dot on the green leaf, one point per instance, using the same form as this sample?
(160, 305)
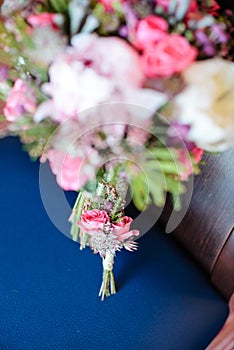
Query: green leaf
(59, 6)
(140, 192)
(158, 193)
(176, 202)
(169, 167)
(163, 153)
(174, 185)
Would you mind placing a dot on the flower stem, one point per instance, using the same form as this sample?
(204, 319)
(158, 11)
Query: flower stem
(108, 281)
(75, 216)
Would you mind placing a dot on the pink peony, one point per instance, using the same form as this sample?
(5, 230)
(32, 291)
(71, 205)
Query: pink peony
(20, 101)
(122, 229)
(149, 31)
(85, 76)
(71, 173)
(170, 55)
(93, 220)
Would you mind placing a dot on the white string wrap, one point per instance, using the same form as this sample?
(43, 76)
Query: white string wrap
(108, 262)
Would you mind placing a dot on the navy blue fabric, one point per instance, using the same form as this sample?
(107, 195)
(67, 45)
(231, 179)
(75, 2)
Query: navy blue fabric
(48, 288)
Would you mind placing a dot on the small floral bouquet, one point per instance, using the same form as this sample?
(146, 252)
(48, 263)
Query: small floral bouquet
(117, 95)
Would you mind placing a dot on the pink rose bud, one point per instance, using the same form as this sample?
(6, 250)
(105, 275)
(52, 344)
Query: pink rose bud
(122, 229)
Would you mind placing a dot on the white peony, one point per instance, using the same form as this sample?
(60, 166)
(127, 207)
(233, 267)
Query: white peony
(207, 104)
(97, 71)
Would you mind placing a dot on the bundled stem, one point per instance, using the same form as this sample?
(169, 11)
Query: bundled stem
(108, 281)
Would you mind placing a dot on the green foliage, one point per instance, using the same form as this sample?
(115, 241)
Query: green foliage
(140, 191)
(12, 51)
(59, 6)
(115, 214)
(159, 174)
(109, 21)
(35, 137)
(4, 57)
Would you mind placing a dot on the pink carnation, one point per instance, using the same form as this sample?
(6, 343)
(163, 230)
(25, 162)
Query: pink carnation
(122, 229)
(170, 55)
(93, 221)
(149, 31)
(21, 100)
(70, 172)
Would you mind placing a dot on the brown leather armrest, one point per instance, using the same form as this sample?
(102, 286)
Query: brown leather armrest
(207, 228)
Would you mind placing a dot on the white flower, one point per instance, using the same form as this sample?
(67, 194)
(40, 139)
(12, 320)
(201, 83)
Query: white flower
(47, 44)
(96, 71)
(9, 6)
(207, 104)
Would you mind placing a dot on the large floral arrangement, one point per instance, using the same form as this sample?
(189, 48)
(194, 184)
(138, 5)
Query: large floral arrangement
(116, 94)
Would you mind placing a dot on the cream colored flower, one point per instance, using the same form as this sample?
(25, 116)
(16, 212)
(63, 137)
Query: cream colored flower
(207, 104)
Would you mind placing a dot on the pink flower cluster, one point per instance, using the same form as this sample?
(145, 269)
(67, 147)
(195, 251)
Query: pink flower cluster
(20, 101)
(163, 54)
(92, 222)
(98, 86)
(71, 172)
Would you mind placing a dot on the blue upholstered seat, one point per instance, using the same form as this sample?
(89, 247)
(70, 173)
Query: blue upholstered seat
(48, 288)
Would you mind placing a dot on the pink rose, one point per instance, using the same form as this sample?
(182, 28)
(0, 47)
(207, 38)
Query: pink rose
(21, 100)
(93, 221)
(170, 55)
(149, 31)
(122, 229)
(71, 173)
(45, 19)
